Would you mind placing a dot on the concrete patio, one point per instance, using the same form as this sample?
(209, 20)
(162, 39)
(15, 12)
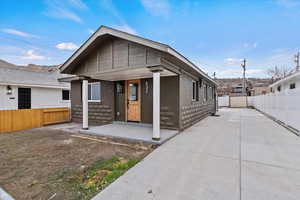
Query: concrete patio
(130, 131)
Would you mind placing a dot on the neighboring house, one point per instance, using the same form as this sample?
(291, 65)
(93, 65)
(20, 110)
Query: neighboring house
(259, 90)
(123, 77)
(288, 83)
(26, 89)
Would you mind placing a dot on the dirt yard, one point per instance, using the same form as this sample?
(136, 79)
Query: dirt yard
(51, 164)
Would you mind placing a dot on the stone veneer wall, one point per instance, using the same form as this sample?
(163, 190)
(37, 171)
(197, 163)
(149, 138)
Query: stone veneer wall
(98, 114)
(193, 113)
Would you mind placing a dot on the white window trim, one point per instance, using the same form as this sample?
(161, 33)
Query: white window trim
(92, 83)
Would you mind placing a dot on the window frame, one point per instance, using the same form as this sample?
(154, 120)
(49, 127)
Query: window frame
(62, 95)
(194, 91)
(205, 92)
(90, 85)
(279, 88)
(292, 86)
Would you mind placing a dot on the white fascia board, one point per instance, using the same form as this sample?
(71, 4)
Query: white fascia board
(35, 85)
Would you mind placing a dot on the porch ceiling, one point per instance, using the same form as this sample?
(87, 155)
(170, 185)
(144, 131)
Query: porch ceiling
(129, 74)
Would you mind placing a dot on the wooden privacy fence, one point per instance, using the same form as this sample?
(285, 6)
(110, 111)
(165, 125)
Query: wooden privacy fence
(14, 120)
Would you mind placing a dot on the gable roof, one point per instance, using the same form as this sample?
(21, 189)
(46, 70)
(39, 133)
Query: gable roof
(21, 77)
(104, 30)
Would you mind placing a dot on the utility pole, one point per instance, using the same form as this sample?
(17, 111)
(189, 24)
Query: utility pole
(244, 75)
(297, 61)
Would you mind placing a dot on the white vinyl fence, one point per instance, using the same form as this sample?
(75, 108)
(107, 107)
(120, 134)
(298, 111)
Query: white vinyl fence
(223, 101)
(283, 106)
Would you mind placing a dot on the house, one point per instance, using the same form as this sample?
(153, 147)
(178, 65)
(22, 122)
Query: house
(123, 77)
(26, 89)
(290, 82)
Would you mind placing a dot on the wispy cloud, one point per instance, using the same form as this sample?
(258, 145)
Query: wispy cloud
(288, 3)
(78, 4)
(126, 29)
(31, 55)
(60, 9)
(18, 33)
(90, 31)
(109, 6)
(157, 7)
(232, 61)
(66, 46)
(251, 45)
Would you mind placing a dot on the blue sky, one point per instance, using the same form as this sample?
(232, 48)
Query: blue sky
(214, 34)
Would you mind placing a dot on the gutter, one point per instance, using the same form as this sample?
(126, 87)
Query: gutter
(35, 85)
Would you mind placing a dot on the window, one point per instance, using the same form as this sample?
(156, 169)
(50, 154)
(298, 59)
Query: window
(195, 91)
(94, 92)
(205, 92)
(65, 95)
(133, 92)
(292, 86)
(279, 88)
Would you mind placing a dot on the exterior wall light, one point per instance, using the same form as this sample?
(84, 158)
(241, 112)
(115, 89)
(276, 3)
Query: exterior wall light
(9, 90)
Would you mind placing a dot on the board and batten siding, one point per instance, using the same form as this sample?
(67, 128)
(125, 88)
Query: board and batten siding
(116, 54)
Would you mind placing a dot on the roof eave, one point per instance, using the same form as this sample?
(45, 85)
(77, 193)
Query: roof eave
(103, 30)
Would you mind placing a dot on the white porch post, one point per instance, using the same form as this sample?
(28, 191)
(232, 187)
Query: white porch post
(156, 105)
(85, 105)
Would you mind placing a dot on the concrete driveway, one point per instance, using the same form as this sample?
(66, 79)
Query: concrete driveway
(239, 155)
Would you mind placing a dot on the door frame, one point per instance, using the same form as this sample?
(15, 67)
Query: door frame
(139, 97)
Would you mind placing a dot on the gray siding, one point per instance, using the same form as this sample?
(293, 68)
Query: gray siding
(193, 111)
(169, 102)
(99, 112)
(116, 54)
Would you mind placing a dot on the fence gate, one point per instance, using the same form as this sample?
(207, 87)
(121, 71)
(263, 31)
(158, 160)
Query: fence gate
(238, 102)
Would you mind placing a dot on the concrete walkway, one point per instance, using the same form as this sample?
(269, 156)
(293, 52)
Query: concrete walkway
(239, 155)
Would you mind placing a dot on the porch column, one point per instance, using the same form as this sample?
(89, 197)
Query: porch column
(156, 105)
(85, 105)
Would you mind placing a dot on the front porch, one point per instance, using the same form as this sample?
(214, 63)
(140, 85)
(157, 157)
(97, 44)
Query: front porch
(130, 131)
(133, 96)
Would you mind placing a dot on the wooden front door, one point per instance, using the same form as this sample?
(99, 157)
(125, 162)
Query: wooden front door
(133, 99)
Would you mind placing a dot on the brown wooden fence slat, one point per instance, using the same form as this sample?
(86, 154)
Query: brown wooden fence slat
(14, 120)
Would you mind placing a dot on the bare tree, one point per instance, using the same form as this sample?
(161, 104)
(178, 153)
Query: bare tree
(279, 72)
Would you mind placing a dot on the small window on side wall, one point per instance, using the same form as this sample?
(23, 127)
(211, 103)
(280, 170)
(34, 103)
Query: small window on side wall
(279, 88)
(195, 91)
(94, 91)
(292, 86)
(65, 95)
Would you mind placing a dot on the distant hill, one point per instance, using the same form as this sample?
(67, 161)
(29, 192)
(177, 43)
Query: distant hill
(30, 67)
